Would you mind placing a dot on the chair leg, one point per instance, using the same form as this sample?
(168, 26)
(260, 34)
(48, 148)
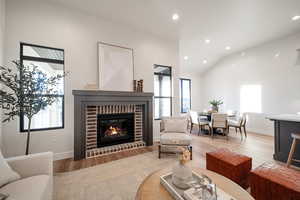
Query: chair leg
(191, 128)
(290, 158)
(226, 131)
(235, 130)
(159, 149)
(240, 129)
(191, 152)
(245, 131)
(211, 131)
(241, 135)
(199, 130)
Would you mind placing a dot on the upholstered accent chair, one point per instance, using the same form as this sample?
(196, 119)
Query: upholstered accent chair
(174, 136)
(196, 121)
(218, 121)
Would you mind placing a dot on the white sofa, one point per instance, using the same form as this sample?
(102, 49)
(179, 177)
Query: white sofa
(36, 181)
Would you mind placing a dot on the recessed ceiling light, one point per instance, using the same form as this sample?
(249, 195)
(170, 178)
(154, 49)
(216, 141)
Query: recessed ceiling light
(277, 55)
(207, 41)
(204, 61)
(185, 57)
(227, 47)
(296, 17)
(175, 16)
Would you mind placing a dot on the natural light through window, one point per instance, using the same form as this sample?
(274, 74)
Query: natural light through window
(250, 98)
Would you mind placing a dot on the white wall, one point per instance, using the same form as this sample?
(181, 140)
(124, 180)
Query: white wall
(277, 75)
(77, 33)
(2, 27)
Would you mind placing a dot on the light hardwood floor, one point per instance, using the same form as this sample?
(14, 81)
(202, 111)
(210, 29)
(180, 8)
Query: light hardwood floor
(257, 146)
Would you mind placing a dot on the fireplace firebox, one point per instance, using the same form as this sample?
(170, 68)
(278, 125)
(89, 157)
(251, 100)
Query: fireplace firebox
(115, 129)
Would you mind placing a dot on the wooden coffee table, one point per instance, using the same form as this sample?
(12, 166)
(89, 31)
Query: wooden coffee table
(151, 189)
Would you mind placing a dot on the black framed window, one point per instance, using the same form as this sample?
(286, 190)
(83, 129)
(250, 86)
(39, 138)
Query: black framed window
(162, 91)
(185, 95)
(50, 61)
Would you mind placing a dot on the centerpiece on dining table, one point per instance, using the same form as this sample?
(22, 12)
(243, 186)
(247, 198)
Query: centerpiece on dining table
(215, 104)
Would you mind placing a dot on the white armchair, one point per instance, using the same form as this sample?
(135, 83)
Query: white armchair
(174, 135)
(36, 181)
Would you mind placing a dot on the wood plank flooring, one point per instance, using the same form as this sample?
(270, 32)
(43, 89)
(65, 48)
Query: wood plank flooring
(259, 147)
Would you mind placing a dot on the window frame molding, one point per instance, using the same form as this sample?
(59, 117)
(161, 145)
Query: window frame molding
(181, 91)
(171, 89)
(62, 96)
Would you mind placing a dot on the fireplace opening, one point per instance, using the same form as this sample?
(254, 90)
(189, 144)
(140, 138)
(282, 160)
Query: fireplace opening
(115, 129)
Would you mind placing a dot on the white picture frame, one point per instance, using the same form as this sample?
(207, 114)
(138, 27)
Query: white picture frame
(116, 67)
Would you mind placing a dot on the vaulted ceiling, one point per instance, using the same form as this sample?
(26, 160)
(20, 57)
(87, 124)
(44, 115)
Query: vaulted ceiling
(236, 23)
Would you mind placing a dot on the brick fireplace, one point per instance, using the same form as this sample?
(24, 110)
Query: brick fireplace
(110, 121)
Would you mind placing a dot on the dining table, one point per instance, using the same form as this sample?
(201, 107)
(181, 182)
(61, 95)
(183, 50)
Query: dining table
(209, 114)
(206, 116)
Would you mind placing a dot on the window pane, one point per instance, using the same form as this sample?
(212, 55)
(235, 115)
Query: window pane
(185, 98)
(50, 69)
(162, 86)
(162, 107)
(250, 98)
(51, 117)
(41, 52)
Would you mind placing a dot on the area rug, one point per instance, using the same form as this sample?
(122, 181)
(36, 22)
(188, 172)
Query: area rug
(116, 180)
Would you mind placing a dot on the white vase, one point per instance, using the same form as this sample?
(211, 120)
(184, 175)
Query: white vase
(181, 176)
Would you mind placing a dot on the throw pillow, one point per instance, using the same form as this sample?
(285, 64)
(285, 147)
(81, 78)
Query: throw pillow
(7, 175)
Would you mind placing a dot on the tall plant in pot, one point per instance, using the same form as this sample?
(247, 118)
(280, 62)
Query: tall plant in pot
(215, 104)
(25, 91)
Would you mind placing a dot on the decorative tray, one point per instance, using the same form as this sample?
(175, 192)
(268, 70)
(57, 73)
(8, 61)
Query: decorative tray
(181, 194)
(177, 193)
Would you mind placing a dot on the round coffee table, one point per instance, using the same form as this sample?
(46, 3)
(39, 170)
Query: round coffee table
(151, 189)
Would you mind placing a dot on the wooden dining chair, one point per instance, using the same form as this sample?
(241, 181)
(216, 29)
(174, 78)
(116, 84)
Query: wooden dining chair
(195, 121)
(239, 124)
(218, 121)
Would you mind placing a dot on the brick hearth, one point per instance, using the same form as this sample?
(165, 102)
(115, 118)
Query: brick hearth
(91, 128)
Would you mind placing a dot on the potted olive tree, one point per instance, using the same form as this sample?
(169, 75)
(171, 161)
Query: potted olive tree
(25, 91)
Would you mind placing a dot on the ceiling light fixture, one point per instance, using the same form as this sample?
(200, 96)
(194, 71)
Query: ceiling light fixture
(227, 48)
(175, 16)
(207, 41)
(185, 57)
(296, 17)
(204, 61)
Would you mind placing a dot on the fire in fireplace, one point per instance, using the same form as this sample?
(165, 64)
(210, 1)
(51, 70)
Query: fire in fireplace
(115, 129)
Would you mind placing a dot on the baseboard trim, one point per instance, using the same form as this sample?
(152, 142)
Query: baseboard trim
(63, 155)
(260, 131)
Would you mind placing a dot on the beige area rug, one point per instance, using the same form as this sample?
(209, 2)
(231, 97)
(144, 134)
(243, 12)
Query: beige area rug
(116, 180)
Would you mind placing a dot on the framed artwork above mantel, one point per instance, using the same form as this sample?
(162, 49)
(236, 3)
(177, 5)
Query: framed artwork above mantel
(116, 67)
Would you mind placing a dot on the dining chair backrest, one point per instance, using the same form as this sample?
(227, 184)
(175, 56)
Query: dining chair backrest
(219, 120)
(194, 117)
